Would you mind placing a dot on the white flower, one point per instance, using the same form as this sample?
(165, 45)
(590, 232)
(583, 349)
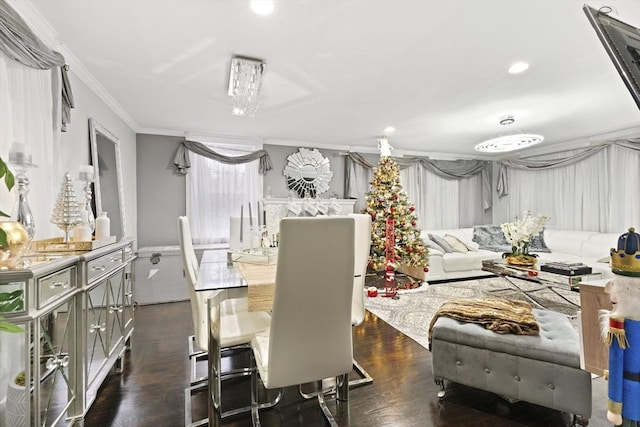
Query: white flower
(519, 232)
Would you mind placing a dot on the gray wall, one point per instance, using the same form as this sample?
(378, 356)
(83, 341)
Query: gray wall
(162, 192)
(275, 180)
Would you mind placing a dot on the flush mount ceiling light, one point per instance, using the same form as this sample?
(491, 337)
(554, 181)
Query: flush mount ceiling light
(245, 78)
(518, 67)
(262, 7)
(510, 142)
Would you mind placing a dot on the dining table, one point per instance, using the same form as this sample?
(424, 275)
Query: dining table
(219, 271)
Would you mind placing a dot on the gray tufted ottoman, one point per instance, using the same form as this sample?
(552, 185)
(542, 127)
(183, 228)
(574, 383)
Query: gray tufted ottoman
(544, 370)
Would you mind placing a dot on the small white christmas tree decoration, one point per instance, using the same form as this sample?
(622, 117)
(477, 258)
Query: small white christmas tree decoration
(66, 213)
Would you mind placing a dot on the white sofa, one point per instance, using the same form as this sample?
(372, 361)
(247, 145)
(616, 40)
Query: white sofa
(589, 247)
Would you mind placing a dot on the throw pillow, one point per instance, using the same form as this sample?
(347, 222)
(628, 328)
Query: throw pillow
(446, 247)
(455, 243)
(537, 243)
(433, 245)
(472, 246)
(491, 238)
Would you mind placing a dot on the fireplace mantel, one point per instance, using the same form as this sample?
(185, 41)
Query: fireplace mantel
(278, 208)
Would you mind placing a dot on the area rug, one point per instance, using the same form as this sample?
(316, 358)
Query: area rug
(412, 311)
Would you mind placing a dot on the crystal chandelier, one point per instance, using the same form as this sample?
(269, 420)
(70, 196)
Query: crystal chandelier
(244, 84)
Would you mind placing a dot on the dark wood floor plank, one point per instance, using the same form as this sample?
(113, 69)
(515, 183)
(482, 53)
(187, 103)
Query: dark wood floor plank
(150, 392)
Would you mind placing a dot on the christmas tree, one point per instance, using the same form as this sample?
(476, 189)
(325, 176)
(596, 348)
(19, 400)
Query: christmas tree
(385, 201)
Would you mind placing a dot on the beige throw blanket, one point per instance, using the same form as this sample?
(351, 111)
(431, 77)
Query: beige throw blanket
(500, 315)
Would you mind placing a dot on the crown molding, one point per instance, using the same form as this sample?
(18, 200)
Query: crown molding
(49, 36)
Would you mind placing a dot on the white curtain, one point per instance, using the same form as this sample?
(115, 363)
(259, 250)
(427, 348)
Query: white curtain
(216, 191)
(600, 193)
(26, 117)
(436, 199)
(359, 185)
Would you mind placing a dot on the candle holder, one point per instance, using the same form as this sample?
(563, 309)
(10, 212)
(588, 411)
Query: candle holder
(87, 179)
(21, 162)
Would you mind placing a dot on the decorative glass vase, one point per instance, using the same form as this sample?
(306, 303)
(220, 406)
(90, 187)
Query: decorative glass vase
(17, 243)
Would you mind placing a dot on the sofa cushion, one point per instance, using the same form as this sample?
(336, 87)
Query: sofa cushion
(456, 244)
(491, 238)
(441, 242)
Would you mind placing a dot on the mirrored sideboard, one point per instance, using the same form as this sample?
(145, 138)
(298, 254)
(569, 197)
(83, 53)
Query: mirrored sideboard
(76, 310)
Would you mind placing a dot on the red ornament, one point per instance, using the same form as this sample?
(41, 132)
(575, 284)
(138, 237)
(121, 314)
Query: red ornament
(410, 249)
(426, 269)
(413, 223)
(373, 215)
(412, 208)
(392, 208)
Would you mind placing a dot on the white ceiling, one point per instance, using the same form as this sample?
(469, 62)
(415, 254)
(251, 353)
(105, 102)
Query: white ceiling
(340, 71)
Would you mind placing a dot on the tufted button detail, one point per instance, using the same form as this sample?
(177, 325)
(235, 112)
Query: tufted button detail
(552, 387)
(487, 370)
(517, 378)
(459, 362)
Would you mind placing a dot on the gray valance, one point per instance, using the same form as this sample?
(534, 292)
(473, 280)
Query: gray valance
(447, 169)
(182, 163)
(20, 44)
(564, 158)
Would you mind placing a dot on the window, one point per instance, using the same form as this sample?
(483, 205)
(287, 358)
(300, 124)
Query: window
(216, 191)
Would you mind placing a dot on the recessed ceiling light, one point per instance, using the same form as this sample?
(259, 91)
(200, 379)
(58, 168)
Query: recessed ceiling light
(389, 129)
(262, 7)
(518, 67)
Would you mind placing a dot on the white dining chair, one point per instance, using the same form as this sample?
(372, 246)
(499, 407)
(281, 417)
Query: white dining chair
(310, 334)
(197, 343)
(237, 327)
(362, 245)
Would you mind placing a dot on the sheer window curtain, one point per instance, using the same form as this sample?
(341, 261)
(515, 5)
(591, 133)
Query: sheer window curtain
(436, 199)
(216, 191)
(25, 116)
(599, 193)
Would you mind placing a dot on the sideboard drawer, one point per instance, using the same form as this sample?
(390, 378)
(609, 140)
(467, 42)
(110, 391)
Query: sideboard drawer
(102, 265)
(56, 285)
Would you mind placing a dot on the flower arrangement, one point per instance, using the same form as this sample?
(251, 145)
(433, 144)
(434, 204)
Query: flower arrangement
(518, 233)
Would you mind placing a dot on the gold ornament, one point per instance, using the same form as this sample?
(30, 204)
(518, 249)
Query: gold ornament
(17, 242)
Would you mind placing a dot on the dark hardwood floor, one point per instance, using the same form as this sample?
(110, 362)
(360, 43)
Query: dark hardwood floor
(150, 391)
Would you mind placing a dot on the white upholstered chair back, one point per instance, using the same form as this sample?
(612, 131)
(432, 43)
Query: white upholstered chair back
(361, 261)
(310, 334)
(198, 299)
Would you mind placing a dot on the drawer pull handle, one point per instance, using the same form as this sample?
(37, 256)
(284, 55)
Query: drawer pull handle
(128, 294)
(115, 259)
(99, 268)
(102, 327)
(114, 308)
(54, 285)
(57, 362)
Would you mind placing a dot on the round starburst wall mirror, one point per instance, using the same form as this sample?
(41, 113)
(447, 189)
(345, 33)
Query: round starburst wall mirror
(308, 173)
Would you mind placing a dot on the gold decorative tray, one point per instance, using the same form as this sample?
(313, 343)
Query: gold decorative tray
(57, 244)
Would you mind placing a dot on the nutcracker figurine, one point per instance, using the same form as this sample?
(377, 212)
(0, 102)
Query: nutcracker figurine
(621, 330)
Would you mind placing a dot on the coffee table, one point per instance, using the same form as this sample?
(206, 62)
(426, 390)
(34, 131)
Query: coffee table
(547, 280)
(501, 268)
